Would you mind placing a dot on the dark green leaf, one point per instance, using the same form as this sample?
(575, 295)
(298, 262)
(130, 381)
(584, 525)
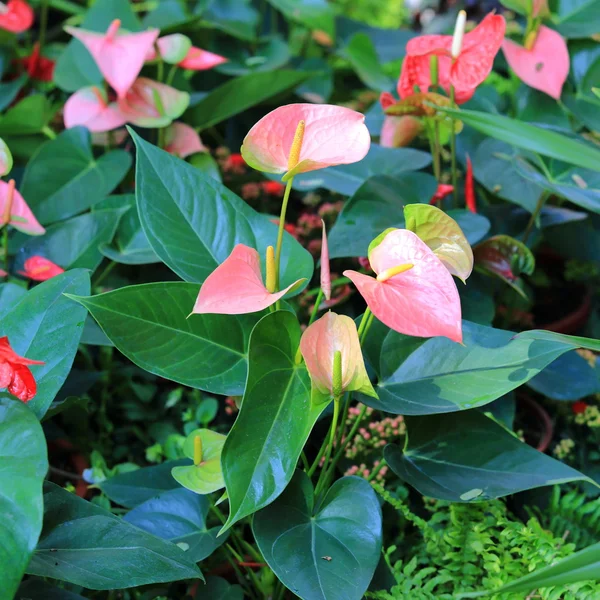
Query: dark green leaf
(149, 324)
(235, 17)
(37, 589)
(313, 14)
(529, 137)
(64, 179)
(86, 545)
(30, 115)
(363, 58)
(577, 18)
(468, 457)
(430, 376)
(322, 551)
(93, 335)
(217, 588)
(268, 55)
(179, 516)
(135, 487)
(46, 325)
(275, 420)
(9, 91)
(23, 466)
(10, 294)
(193, 222)
(241, 93)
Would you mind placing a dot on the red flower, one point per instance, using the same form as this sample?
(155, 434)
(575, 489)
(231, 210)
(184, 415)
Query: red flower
(16, 16)
(14, 373)
(38, 66)
(442, 191)
(465, 71)
(579, 407)
(470, 188)
(235, 163)
(273, 188)
(39, 268)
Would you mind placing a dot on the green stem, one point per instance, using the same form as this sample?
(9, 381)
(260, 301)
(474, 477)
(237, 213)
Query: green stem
(322, 477)
(534, 216)
(315, 309)
(335, 283)
(171, 74)
(48, 132)
(68, 7)
(376, 469)
(109, 267)
(43, 24)
(453, 152)
(284, 204)
(160, 70)
(437, 157)
(5, 247)
(363, 322)
(317, 460)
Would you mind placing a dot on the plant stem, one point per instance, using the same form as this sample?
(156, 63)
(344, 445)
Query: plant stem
(322, 477)
(437, 150)
(375, 471)
(363, 322)
(171, 74)
(335, 283)
(48, 132)
(317, 460)
(160, 70)
(315, 309)
(43, 24)
(453, 151)
(5, 247)
(109, 267)
(284, 204)
(68, 7)
(534, 215)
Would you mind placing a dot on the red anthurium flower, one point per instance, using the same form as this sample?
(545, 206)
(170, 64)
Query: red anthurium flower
(15, 374)
(39, 268)
(443, 189)
(120, 56)
(298, 138)
(414, 292)
(579, 407)
(470, 187)
(90, 107)
(464, 69)
(16, 16)
(545, 66)
(183, 140)
(38, 66)
(273, 188)
(15, 212)
(236, 286)
(200, 60)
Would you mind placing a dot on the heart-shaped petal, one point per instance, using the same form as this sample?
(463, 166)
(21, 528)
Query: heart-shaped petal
(421, 301)
(119, 56)
(173, 48)
(183, 140)
(21, 217)
(443, 235)
(89, 107)
(333, 135)
(545, 67)
(236, 286)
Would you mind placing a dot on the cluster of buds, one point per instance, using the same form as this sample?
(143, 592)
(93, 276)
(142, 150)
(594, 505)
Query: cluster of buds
(586, 414)
(375, 435)
(362, 471)
(230, 406)
(564, 449)
(253, 190)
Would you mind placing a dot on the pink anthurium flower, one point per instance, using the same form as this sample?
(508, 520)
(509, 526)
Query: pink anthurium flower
(14, 210)
(3, 273)
(236, 286)
(463, 66)
(39, 268)
(413, 293)
(398, 132)
(443, 190)
(119, 56)
(90, 107)
(15, 374)
(183, 140)
(201, 60)
(319, 344)
(325, 272)
(545, 66)
(6, 159)
(152, 104)
(298, 138)
(16, 16)
(174, 48)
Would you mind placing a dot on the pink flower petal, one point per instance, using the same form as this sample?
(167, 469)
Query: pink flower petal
(201, 60)
(3, 273)
(89, 107)
(545, 67)
(183, 140)
(319, 343)
(40, 268)
(173, 48)
(398, 132)
(141, 108)
(236, 287)
(422, 301)
(17, 16)
(119, 56)
(325, 273)
(333, 135)
(25, 221)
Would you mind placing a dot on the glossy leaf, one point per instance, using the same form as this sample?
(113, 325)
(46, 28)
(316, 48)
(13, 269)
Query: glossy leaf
(217, 588)
(24, 463)
(29, 116)
(178, 516)
(193, 222)
(440, 462)
(149, 324)
(241, 93)
(136, 487)
(75, 243)
(424, 377)
(529, 137)
(275, 419)
(10, 294)
(363, 58)
(64, 178)
(322, 551)
(576, 19)
(84, 544)
(46, 322)
(38, 589)
(313, 14)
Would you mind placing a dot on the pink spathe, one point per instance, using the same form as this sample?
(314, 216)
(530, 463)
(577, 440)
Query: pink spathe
(120, 56)
(183, 140)
(422, 301)
(198, 59)
(89, 107)
(545, 67)
(333, 135)
(318, 345)
(21, 217)
(236, 286)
